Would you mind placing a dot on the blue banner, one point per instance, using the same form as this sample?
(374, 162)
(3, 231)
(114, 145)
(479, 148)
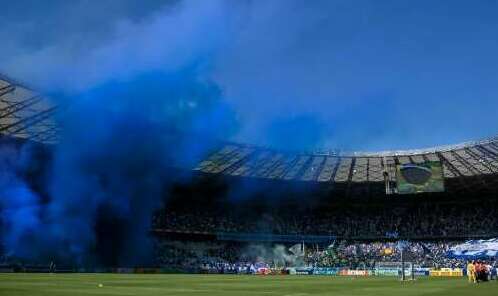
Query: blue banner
(475, 249)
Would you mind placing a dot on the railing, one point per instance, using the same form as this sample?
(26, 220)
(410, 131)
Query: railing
(284, 238)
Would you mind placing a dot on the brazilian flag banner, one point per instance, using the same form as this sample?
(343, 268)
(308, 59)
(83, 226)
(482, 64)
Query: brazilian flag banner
(421, 177)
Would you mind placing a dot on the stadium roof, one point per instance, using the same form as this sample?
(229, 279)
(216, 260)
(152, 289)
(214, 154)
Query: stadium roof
(25, 113)
(462, 160)
(29, 115)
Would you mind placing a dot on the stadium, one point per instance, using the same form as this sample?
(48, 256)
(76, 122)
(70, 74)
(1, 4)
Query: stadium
(136, 185)
(315, 213)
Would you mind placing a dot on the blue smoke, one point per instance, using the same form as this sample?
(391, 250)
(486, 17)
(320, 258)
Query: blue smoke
(133, 112)
(338, 61)
(121, 146)
(21, 207)
(20, 213)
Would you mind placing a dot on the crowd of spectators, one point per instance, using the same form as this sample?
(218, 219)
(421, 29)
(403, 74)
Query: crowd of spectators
(195, 256)
(367, 255)
(422, 220)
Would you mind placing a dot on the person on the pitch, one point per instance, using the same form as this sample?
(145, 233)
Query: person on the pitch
(480, 271)
(471, 272)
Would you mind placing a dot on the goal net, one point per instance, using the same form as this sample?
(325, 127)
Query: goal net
(403, 270)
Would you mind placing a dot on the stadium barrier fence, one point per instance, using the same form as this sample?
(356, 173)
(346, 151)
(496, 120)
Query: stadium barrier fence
(331, 271)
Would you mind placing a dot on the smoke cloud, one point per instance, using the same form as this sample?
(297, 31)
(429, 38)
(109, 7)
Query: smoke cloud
(19, 206)
(277, 255)
(136, 106)
(348, 74)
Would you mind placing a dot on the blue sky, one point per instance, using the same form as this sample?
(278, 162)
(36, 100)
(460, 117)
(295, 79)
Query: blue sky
(362, 75)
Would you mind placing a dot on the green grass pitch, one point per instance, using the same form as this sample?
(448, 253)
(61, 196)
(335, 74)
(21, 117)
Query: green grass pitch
(128, 284)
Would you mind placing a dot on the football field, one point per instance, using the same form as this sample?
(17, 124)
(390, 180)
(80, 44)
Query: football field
(129, 284)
